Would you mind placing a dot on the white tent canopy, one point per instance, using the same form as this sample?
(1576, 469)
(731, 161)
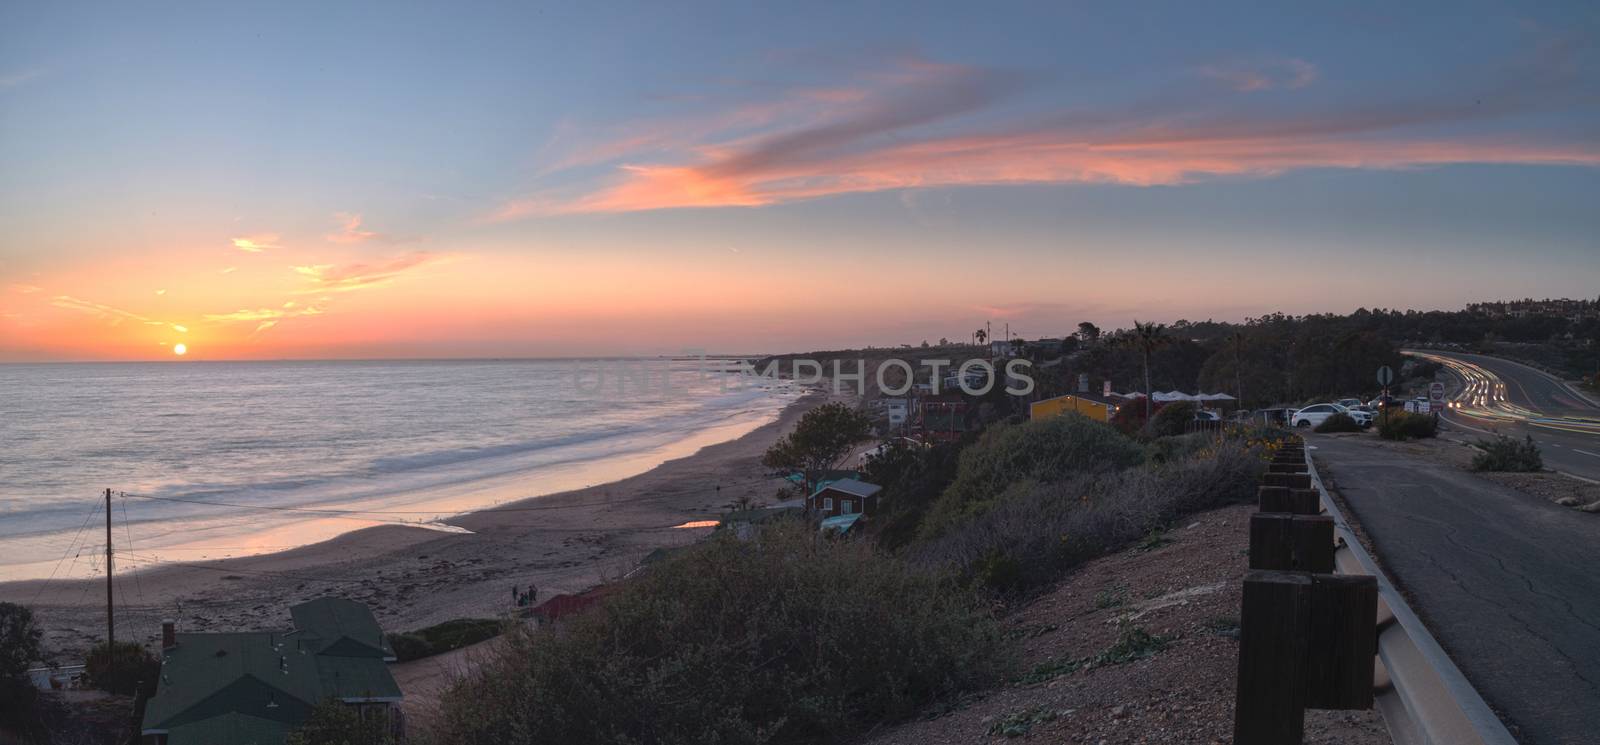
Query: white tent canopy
(1169, 396)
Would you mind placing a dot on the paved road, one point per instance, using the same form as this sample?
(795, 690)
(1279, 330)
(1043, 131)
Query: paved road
(1508, 583)
(1496, 396)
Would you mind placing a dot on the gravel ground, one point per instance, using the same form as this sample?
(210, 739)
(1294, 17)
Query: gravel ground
(1185, 591)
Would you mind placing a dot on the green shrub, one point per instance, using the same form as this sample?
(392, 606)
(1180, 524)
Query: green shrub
(135, 669)
(335, 723)
(912, 478)
(1506, 454)
(1038, 451)
(1171, 419)
(19, 639)
(1020, 723)
(1405, 425)
(1340, 422)
(408, 646)
(783, 639)
(447, 636)
(1133, 643)
(1049, 528)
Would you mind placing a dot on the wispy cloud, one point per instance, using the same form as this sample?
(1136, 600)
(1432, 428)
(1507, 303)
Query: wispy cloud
(14, 79)
(350, 230)
(1248, 77)
(262, 314)
(350, 277)
(930, 125)
(26, 289)
(111, 313)
(256, 243)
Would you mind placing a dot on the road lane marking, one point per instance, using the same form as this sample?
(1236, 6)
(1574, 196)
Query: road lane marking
(1585, 452)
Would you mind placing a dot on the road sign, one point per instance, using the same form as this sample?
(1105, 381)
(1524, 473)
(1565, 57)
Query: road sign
(1385, 375)
(1436, 394)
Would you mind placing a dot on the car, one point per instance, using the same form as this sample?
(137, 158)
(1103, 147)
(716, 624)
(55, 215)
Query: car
(1206, 415)
(1316, 414)
(1349, 403)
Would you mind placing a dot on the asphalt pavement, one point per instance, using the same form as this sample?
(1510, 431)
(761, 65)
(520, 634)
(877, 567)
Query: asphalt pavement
(1495, 396)
(1509, 583)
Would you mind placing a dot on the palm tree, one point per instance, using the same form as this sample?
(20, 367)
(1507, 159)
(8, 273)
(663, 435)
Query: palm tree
(982, 336)
(1149, 337)
(1237, 340)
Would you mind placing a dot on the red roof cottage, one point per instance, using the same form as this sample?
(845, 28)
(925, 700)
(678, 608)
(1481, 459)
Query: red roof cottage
(844, 497)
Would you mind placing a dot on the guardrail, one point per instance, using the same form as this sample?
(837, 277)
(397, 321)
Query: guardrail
(1424, 698)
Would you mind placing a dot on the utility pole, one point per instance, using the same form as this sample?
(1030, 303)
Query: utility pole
(111, 625)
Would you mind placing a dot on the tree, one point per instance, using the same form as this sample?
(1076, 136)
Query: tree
(819, 440)
(333, 723)
(981, 336)
(19, 640)
(1088, 332)
(124, 670)
(1148, 337)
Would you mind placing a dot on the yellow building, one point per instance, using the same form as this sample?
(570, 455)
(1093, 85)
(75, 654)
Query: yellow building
(1088, 406)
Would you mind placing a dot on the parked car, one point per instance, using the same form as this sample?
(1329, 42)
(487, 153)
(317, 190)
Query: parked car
(1207, 415)
(1349, 403)
(1316, 414)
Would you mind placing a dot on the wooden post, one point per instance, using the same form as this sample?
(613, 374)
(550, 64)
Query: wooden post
(1291, 480)
(1313, 543)
(1292, 467)
(1272, 498)
(1304, 502)
(1343, 639)
(1272, 541)
(1274, 621)
(111, 621)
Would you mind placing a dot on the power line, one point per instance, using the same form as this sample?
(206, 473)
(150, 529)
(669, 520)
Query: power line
(137, 583)
(86, 518)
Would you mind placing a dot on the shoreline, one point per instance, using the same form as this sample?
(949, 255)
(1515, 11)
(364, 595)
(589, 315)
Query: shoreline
(415, 577)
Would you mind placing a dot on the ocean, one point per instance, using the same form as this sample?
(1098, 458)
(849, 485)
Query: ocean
(211, 454)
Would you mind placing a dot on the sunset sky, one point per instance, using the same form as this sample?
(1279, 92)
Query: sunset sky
(339, 180)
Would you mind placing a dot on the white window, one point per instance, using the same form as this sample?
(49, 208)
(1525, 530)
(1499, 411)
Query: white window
(847, 506)
(827, 504)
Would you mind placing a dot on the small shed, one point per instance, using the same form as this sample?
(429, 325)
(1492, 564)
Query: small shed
(845, 497)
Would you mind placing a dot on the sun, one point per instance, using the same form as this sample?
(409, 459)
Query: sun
(180, 349)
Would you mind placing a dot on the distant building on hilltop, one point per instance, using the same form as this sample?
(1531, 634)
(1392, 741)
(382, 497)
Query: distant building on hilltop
(254, 688)
(1572, 310)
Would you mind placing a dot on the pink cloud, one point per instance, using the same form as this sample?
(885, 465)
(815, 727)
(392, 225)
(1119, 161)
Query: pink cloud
(916, 129)
(350, 230)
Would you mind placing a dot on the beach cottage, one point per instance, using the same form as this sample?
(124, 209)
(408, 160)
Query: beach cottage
(256, 687)
(844, 497)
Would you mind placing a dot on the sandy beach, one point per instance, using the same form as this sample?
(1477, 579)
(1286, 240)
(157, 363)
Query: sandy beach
(413, 577)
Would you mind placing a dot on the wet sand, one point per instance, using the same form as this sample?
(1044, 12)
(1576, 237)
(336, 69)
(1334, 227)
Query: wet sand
(412, 577)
